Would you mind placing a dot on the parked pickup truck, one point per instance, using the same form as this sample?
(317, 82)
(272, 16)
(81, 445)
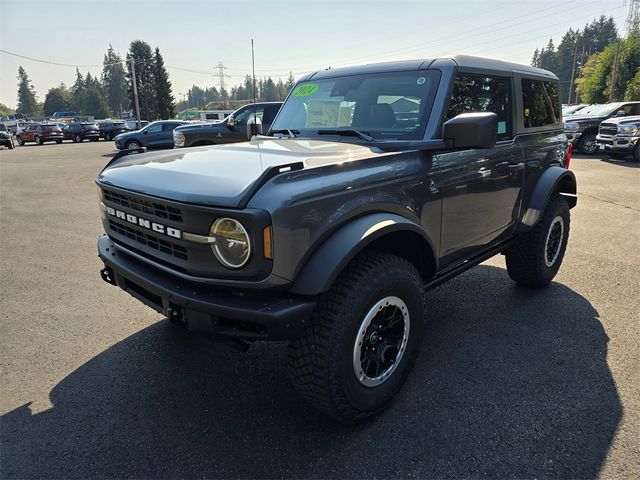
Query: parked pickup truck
(620, 137)
(230, 130)
(374, 184)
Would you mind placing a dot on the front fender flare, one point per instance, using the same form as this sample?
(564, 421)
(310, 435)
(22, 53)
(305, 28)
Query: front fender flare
(553, 179)
(329, 259)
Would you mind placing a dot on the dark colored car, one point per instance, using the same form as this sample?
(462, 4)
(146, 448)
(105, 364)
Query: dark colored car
(155, 135)
(582, 129)
(230, 130)
(6, 138)
(64, 115)
(110, 130)
(40, 134)
(620, 137)
(81, 131)
(380, 183)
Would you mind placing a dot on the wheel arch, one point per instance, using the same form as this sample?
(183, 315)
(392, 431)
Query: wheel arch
(553, 180)
(387, 232)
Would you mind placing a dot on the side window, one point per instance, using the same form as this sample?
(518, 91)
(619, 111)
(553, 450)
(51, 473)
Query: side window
(270, 112)
(168, 127)
(155, 128)
(540, 103)
(474, 93)
(244, 116)
(631, 109)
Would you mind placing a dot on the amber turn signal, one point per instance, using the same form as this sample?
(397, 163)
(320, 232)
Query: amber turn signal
(266, 239)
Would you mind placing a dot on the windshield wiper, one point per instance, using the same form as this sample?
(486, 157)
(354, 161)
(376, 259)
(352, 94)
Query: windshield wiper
(291, 133)
(348, 132)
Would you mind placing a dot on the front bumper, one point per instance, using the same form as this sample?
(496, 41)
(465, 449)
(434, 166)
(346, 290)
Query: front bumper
(200, 307)
(617, 143)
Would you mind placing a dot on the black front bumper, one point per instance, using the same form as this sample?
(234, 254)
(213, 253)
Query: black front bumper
(202, 309)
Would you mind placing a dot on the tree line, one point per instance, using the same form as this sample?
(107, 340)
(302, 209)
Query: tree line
(586, 57)
(112, 92)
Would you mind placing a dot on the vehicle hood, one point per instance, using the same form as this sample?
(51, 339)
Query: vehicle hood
(635, 119)
(221, 175)
(127, 134)
(583, 118)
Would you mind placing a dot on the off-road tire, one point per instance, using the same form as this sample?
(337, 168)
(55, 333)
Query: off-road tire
(526, 262)
(132, 144)
(587, 144)
(321, 359)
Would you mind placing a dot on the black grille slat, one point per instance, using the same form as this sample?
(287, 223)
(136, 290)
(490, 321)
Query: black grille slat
(150, 241)
(608, 129)
(144, 206)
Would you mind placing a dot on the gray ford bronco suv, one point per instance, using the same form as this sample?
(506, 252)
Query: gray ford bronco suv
(373, 185)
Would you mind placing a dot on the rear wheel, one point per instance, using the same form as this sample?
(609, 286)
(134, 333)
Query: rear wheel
(107, 136)
(132, 144)
(536, 256)
(77, 138)
(20, 141)
(38, 140)
(587, 143)
(362, 340)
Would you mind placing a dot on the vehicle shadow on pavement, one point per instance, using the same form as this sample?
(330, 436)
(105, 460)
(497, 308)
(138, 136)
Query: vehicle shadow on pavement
(622, 163)
(510, 383)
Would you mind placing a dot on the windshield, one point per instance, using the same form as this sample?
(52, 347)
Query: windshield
(600, 110)
(386, 106)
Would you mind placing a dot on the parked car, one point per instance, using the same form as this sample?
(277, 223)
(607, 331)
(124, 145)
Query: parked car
(155, 135)
(230, 130)
(380, 182)
(573, 109)
(40, 134)
(81, 131)
(620, 137)
(582, 129)
(110, 129)
(6, 138)
(133, 124)
(64, 115)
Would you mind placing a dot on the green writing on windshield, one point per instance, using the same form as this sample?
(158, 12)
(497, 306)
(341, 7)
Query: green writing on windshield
(305, 90)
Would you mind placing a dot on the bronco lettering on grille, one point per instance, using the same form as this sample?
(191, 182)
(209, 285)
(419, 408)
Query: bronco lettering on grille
(143, 222)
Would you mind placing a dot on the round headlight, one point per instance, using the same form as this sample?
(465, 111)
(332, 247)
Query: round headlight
(232, 246)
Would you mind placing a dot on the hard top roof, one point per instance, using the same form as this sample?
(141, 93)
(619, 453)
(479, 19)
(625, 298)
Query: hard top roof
(461, 61)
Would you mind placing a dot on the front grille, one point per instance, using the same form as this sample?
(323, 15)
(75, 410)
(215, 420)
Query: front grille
(608, 129)
(150, 241)
(145, 206)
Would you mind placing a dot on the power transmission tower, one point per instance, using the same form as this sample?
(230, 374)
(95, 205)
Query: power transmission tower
(221, 68)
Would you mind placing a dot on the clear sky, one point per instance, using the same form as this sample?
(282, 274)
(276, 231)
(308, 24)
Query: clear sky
(296, 36)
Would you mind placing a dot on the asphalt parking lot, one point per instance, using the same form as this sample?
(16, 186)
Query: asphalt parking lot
(510, 382)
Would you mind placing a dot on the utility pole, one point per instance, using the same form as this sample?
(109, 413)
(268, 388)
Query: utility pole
(573, 72)
(615, 71)
(135, 90)
(581, 64)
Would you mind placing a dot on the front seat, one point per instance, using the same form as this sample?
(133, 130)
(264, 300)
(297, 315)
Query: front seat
(381, 116)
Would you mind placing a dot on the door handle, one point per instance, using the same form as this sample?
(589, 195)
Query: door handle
(515, 167)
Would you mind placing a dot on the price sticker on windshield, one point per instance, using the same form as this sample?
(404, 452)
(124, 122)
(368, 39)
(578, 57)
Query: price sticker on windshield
(306, 90)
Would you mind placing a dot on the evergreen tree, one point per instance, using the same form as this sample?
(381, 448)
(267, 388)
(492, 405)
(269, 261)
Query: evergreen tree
(94, 103)
(76, 92)
(164, 107)
(114, 82)
(291, 81)
(142, 54)
(27, 104)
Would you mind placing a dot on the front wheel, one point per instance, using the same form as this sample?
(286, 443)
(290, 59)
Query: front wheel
(536, 256)
(362, 340)
(77, 138)
(132, 144)
(39, 140)
(587, 144)
(20, 141)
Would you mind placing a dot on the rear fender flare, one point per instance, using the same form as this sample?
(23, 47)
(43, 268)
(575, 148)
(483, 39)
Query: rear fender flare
(553, 179)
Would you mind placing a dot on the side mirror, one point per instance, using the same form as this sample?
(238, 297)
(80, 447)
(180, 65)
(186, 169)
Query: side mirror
(621, 113)
(471, 130)
(254, 127)
(231, 121)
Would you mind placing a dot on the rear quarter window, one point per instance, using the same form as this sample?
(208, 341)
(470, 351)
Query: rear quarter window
(540, 103)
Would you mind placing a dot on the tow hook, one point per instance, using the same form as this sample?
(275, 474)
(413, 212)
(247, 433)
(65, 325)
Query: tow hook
(107, 275)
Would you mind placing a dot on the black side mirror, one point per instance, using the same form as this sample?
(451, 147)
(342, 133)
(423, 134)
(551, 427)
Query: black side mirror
(254, 127)
(471, 130)
(621, 113)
